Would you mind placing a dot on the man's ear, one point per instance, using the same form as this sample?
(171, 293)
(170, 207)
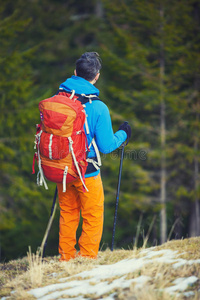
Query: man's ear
(97, 76)
(75, 72)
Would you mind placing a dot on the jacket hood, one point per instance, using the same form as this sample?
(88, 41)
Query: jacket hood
(80, 85)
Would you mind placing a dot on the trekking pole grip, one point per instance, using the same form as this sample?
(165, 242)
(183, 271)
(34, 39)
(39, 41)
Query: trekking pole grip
(127, 140)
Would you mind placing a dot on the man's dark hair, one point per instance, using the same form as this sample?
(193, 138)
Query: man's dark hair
(88, 65)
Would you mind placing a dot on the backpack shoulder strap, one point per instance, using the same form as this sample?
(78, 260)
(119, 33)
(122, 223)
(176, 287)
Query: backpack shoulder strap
(87, 98)
(80, 97)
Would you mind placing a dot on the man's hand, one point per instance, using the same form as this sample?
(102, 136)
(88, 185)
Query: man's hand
(126, 127)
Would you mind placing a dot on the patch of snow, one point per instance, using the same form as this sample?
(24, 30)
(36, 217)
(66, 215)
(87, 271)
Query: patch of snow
(188, 294)
(129, 265)
(40, 292)
(54, 274)
(165, 252)
(140, 281)
(74, 288)
(118, 269)
(110, 297)
(181, 284)
(182, 262)
(87, 286)
(76, 298)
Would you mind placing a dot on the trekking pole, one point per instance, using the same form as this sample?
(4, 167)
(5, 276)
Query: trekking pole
(53, 210)
(117, 195)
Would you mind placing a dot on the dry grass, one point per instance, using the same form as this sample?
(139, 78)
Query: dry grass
(149, 293)
(189, 248)
(36, 267)
(30, 272)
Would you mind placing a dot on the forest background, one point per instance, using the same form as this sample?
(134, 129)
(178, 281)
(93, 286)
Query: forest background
(150, 77)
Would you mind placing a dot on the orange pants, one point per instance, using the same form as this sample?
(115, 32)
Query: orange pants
(91, 205)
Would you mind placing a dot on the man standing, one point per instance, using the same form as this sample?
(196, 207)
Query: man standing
(100, 136)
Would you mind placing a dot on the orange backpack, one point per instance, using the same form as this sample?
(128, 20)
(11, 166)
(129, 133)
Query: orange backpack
(61, 141)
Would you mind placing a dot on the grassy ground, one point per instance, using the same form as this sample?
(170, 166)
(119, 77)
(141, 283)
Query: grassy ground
(30, 272)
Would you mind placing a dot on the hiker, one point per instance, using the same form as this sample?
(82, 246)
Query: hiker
(100, 137)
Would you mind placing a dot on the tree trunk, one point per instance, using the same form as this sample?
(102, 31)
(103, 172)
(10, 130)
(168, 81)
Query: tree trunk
(194, 226)
(99, 9)
(163, 215)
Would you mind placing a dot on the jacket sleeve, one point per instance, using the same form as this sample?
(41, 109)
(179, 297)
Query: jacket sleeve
(106, 140)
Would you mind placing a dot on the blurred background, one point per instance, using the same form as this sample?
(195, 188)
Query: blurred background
(150, 77)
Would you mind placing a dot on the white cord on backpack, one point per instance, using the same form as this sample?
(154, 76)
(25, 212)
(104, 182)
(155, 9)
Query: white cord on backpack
(75, 161)
(72, 95)
(64, 179)
(40, 176)
(98, 163)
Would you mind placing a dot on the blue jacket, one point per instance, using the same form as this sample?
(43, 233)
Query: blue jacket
(98, 117)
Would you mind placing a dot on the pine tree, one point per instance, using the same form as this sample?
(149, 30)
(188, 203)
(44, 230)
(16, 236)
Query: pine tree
(145, 59)
(40, 42)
